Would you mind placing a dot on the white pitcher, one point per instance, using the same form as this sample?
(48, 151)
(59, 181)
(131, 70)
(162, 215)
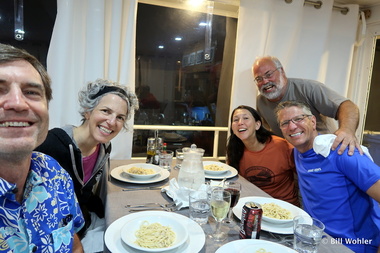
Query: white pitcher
(192, 175)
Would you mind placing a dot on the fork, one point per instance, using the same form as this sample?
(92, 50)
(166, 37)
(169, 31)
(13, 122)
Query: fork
(157, 208)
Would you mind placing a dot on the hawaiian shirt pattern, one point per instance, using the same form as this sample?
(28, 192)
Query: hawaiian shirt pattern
(49, 214)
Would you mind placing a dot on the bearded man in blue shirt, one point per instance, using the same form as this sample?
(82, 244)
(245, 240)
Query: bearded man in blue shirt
(342, 191)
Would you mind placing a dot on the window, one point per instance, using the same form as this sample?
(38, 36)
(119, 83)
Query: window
(176, 84)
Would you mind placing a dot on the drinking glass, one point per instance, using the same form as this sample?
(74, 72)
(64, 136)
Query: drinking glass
(234, 188)
(166, 158)
(220, 204)
(199, 206)
(179, 158)
(307, 234)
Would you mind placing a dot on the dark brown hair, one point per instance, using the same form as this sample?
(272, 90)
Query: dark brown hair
(9, 53)
(235, 147)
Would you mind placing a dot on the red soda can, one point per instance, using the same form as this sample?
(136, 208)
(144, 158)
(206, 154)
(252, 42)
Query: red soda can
(250, 225)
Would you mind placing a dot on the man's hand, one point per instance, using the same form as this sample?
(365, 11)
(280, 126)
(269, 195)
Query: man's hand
(348, 119)
(347, 138)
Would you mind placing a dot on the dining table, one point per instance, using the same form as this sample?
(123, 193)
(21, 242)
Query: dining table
(119, 194)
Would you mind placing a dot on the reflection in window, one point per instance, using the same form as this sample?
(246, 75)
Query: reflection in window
(174, 82)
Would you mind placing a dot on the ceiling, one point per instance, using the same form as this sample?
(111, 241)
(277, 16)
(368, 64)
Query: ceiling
(362, 3)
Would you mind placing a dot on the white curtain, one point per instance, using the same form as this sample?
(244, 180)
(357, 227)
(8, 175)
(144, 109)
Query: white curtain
(96, 38)
(91, 39)
(311, 43)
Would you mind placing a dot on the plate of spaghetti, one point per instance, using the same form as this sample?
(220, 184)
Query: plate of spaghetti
(154, 233)
(194, 243)
(215, 168)
(277, 214)
(278, 211)
(218, 170)
(142, 170)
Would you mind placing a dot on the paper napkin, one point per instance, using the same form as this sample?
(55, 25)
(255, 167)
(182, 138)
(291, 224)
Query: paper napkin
(323, 142)
(180, 194)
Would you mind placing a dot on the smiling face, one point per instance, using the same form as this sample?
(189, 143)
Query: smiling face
(244, 125)
(107, 118)
(301, 134)
(24, 117)
(273, 81)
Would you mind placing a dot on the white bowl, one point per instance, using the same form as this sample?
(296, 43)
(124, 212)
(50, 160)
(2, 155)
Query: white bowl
(292, 208)
(129, 229)
(224, 167)
(157, 170)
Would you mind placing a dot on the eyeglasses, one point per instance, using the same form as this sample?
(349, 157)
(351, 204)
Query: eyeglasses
(296, 120)
(268, 75)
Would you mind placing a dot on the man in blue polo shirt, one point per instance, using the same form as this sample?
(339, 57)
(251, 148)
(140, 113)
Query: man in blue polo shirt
(342, 191)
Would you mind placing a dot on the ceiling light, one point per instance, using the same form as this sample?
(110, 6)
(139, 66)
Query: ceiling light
(195, 2)
(178, 38)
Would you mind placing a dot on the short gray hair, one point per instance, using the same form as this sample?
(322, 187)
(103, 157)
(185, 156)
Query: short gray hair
(274, 59)
(93, 92)
(292, 103)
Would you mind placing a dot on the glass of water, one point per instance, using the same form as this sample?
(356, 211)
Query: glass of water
(199, 206)
(178, 158)
(166, 158)
(307, 233)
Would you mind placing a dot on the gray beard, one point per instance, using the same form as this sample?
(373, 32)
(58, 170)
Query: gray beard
(278, 89)
(272, 95)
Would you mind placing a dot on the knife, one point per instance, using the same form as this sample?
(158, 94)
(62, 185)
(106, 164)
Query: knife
(168, 209)
(143, 188)
(149, 209)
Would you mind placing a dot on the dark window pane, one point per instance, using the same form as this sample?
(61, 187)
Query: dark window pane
(176, 85)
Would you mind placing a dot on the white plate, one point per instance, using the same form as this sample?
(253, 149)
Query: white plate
(156, 168)
(252, 245)
(215, 172)
(194, 243)
(231, 171)
(119, 174)
(129, 229)
(286, 228)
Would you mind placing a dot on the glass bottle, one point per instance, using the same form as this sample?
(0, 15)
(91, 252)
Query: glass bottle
(192, 175)
(159, 146)
(150, 150)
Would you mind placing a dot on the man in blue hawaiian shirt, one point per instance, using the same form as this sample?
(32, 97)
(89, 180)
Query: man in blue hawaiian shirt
(38, 211)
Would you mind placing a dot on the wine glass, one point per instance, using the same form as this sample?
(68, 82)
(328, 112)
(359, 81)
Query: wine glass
(234, 188)
(220, 204)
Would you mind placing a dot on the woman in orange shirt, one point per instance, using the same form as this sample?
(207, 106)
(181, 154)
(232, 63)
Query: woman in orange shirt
(262, 158)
